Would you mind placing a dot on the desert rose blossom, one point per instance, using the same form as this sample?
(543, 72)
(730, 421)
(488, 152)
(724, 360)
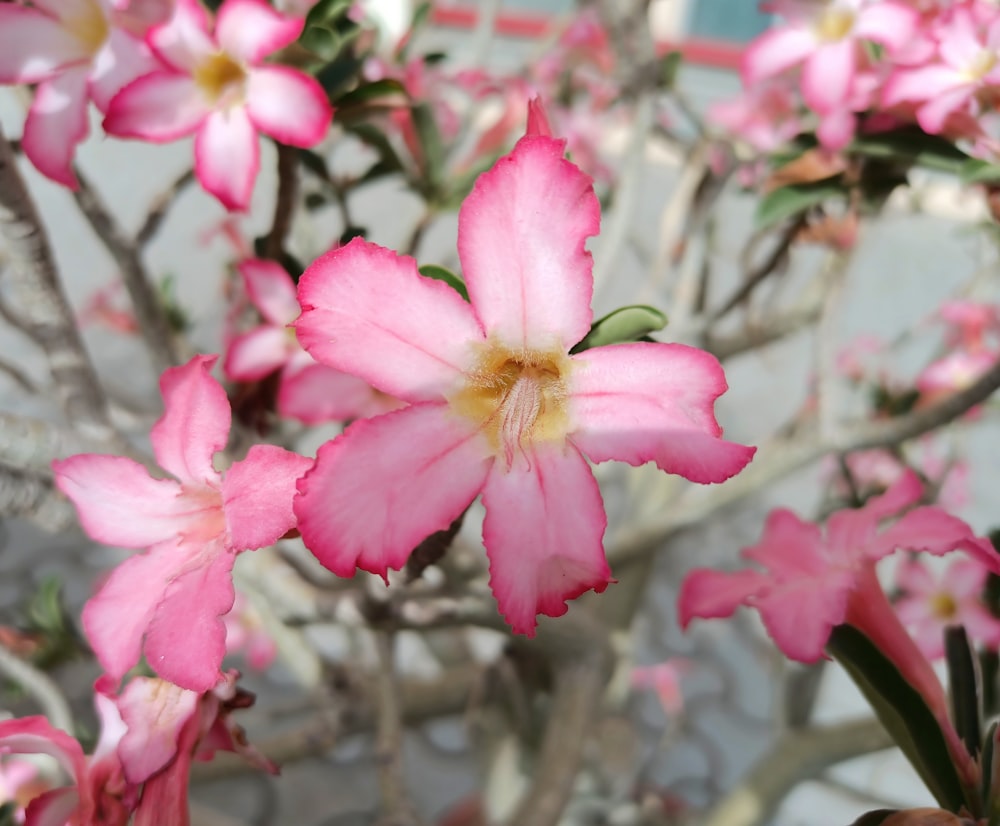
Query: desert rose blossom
(498, 405)
(169, 601)
(814, 580)
(826, 39)
(216, 86)
(309, 392)
(99, 793)
(931, 603)
(75, 51)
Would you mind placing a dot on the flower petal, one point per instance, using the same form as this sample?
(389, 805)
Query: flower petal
(827, 75)
(789, 547)
(256, 354)
(57, 122)
(653, 402)
(118, 502)
(195, 423)
(158, 107)
(317, 393)
(712, 594)
(186, 638)
(155, 711)
(250, 30)
(271, 290)
(257, 496)
(122, 60)
(183, 41)
(55, 807)
(522, 233)
(116, 618)
(775, 51)
(227, 157)
(386, 484)
(369, 312)
(800, 614)
(34, 47)
(936, 532)
(288, 105)
(543, 533)
(36, 735)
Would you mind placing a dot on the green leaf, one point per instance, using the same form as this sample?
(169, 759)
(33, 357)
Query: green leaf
(377, 140)
(964, 684)
(670, 64)
(624, 324)
(989, 749)
(446, 275)
(790, 201)
(913, 146)
(903, 712)
(368, 92)
(321, 41)
(431, 145)
(975, 171)
(325, 11)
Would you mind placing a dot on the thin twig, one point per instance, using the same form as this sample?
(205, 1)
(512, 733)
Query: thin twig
(160, 207)
(33, 496)
(36, 298)
(40, 687)
(284, 205)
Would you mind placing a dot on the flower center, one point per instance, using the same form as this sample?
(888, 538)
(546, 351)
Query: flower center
(982, 64)
(518, 397)
(834, 24)
(221, 79)
(206, 519)
(943, 606)
(89, 27)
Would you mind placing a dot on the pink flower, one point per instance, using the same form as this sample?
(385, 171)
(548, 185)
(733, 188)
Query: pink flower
(100, 793)
(170, 727)
(826, 40)
(76, 51)
(19, 783)
(811, 581)
(931, 604)
(765, 115)
(246, 633)
(169, 601)
(665, 679)
(498, 405)
(310, 392)
(216, 86)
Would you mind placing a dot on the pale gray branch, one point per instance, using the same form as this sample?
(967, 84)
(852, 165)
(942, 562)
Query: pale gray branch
(40, 687)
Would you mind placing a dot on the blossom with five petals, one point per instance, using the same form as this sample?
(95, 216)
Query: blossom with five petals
(215, 85)
(310, 392)
(499, 404)
(169, 602)
(76, 51)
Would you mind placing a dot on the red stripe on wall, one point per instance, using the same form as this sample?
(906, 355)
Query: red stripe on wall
(718, 53)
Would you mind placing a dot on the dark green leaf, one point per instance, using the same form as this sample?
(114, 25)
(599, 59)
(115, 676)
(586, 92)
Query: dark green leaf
(964, 683)
(912, 145)
(446, 275)
(790, 201)
(322, 41)
(989, 749)
(670, 63)
(326, 11)
(338, 74)
(368, 92)
(352, 232)
(624, 324)
(431, 145)
(903, 712)
(377, 140)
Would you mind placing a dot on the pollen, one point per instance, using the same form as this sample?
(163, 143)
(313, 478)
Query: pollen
(517, 396)
(834, 24)
(943, 606)
(221, 79)
(90, 27)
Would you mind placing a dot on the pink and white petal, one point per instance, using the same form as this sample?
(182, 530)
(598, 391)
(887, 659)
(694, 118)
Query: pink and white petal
(775, 51)
(257, 495)
(369, 312)
(790, 548)
(800, 614)
(271, 290)
(934, 114)
(965, 578)
(195, 423)
(159, 107)
(183, 41)
(122, 59)
(57, 122)
(287, 105)
(543, 533)
(388, 483)
(317, 393)
(36, 735)
(34, 46)
(891, 24)
(155, 711)
(227, 157)
(982, 626)
(256, 354)
(250, 30)
(928, 529)
(710, 594)
(920, 84)
(522, 235)
(116, 618)
(836, 129)
(538, 120)
(186, 638)
(653, 402)
(118, 502)
(53, 808)
(827, 75)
